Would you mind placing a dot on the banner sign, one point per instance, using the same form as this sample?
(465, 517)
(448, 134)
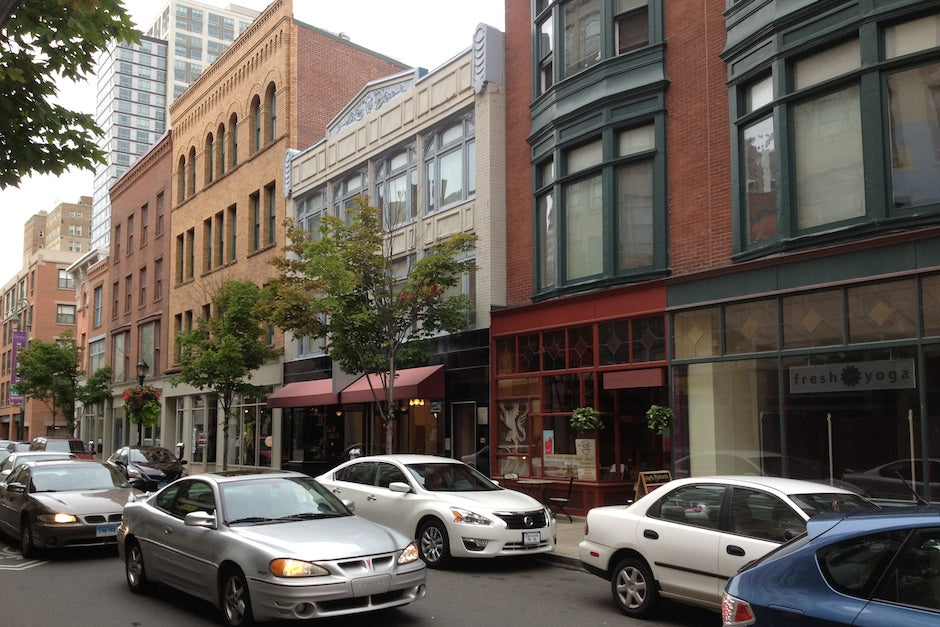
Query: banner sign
(19, 341)
(887, 374)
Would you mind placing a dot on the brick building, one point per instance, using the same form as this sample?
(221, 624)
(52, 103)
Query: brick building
(731, 212)
(274, 89)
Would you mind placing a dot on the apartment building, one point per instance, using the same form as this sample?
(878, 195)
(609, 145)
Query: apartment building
(730, 212)
(426, 148)
(274, 89)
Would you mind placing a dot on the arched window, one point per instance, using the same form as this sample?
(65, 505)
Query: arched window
(255, 125)
(233, 135)
(210, 158)
(220, 140)
(192, 171)
(181, 179)
(271, 103)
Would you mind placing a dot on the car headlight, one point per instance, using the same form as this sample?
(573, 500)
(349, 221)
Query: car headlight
(57, 519)
(410, 554)
(287, 567)
(468, 517)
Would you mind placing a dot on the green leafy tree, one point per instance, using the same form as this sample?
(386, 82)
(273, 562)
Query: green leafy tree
(43, 41)
(221, 352)
(49, 372)
(342, 284)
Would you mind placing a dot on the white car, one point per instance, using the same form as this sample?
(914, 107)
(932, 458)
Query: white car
(450, 508)
(685, 539)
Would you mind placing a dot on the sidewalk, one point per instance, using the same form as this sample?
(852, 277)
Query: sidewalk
(569, 536)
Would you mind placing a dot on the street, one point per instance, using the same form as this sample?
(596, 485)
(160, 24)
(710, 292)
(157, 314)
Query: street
(87, 587)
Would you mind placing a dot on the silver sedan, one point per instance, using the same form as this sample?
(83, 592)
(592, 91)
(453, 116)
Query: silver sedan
(266, 546)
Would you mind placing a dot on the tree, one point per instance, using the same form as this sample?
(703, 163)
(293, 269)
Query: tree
(343, 284)
(43, 41)
(221, 352)
(49, 372)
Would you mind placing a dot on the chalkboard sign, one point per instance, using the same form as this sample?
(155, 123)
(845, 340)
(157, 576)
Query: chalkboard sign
(648, 481)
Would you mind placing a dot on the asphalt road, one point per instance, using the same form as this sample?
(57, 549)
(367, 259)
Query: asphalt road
(87, 588)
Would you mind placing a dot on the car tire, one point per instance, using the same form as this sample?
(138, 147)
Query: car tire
(433, 544)
(27, 540)
(236, 603)
(633, 588)
(134, 568)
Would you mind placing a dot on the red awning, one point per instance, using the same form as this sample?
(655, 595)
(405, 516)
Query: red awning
(644, 378)
(304, 394)
(423, 382)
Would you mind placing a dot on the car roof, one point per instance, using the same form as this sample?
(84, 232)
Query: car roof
(408, 458)
(780, 484)
(22, 454)
(233, 476)
(65, 460)
(872, 520)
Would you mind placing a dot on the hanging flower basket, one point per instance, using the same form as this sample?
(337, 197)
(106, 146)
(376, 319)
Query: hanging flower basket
(142, 404)
(659, 418)
(586, 419)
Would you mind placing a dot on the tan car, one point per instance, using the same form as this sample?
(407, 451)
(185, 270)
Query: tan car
(60, 504)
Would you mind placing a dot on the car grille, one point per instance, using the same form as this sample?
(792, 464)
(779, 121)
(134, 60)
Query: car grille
(359, 567)
(97, 519)
(328, 607)
(517, 520)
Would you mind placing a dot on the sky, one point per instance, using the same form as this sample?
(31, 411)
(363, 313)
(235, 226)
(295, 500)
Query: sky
(420, 33)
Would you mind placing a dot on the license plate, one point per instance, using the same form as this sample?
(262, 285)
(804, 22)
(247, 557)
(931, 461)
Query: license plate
(103, 531)
(531, 537)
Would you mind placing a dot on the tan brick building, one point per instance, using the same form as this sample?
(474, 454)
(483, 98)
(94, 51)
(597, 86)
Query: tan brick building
(275, 88)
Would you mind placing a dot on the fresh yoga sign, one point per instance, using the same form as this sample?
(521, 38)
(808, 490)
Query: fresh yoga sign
(887, 374)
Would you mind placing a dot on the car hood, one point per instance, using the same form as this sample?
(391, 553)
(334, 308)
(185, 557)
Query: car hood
(85, 502)
(496, 500)
(326, 538)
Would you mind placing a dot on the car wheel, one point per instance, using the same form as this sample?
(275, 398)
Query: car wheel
(433, 544)
(27, 540)
(134, 568)
(236, 604)
(633, 588)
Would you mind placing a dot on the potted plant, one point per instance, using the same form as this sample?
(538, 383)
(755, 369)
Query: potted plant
(659, 418)
(586, 419)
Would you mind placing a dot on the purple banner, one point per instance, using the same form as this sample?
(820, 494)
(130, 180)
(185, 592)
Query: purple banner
(19, 341)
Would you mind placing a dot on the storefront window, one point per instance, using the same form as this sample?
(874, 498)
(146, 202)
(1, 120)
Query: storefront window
(882, 311)
(751, 327)
(697, 333)
(812, 319)
(930, 307)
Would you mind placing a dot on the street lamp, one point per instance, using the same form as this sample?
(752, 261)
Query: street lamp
(142, 368)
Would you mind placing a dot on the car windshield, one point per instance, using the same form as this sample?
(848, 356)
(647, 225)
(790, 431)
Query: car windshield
(822, 502)
(67, 446)
(66, 478)
(278, 499)
(444, 477)
(152, 455)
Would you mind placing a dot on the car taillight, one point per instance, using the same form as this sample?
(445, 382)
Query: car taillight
(735, 612)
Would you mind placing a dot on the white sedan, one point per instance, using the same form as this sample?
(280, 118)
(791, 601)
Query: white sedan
(452, 509)
(684, 540)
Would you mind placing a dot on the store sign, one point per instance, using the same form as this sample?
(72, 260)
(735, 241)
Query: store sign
(19, 342)
(888, 374)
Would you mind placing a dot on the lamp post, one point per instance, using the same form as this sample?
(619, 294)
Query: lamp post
(20, 312)
(142, 368)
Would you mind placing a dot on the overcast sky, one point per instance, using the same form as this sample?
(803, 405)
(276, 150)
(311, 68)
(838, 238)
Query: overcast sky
(420, 33)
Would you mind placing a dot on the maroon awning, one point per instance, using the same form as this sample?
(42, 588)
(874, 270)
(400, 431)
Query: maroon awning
(304, 394)
(423, 382)
(643, 378)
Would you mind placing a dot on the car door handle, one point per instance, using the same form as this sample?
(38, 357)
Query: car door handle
(167, 531)
(734, 549)
(371, 497)
(336, 491)
(649, 533)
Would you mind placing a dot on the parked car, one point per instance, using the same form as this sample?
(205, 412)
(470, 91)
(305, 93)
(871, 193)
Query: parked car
(266, 545)
(61, 444)
(867, 569)
(148, 468)
(57, 504)
(452, 509)
(15, 459)
(893, 480)
(683, 540)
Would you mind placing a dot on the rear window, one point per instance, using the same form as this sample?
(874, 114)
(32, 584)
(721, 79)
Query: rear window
(814, 504)
(65, 446)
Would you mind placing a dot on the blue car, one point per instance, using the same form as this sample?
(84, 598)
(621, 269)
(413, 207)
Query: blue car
(868, 568)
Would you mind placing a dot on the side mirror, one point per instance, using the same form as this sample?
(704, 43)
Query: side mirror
(16, 487)
(182, 462)
(200, 519)
(350, 505)
(399, 486)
